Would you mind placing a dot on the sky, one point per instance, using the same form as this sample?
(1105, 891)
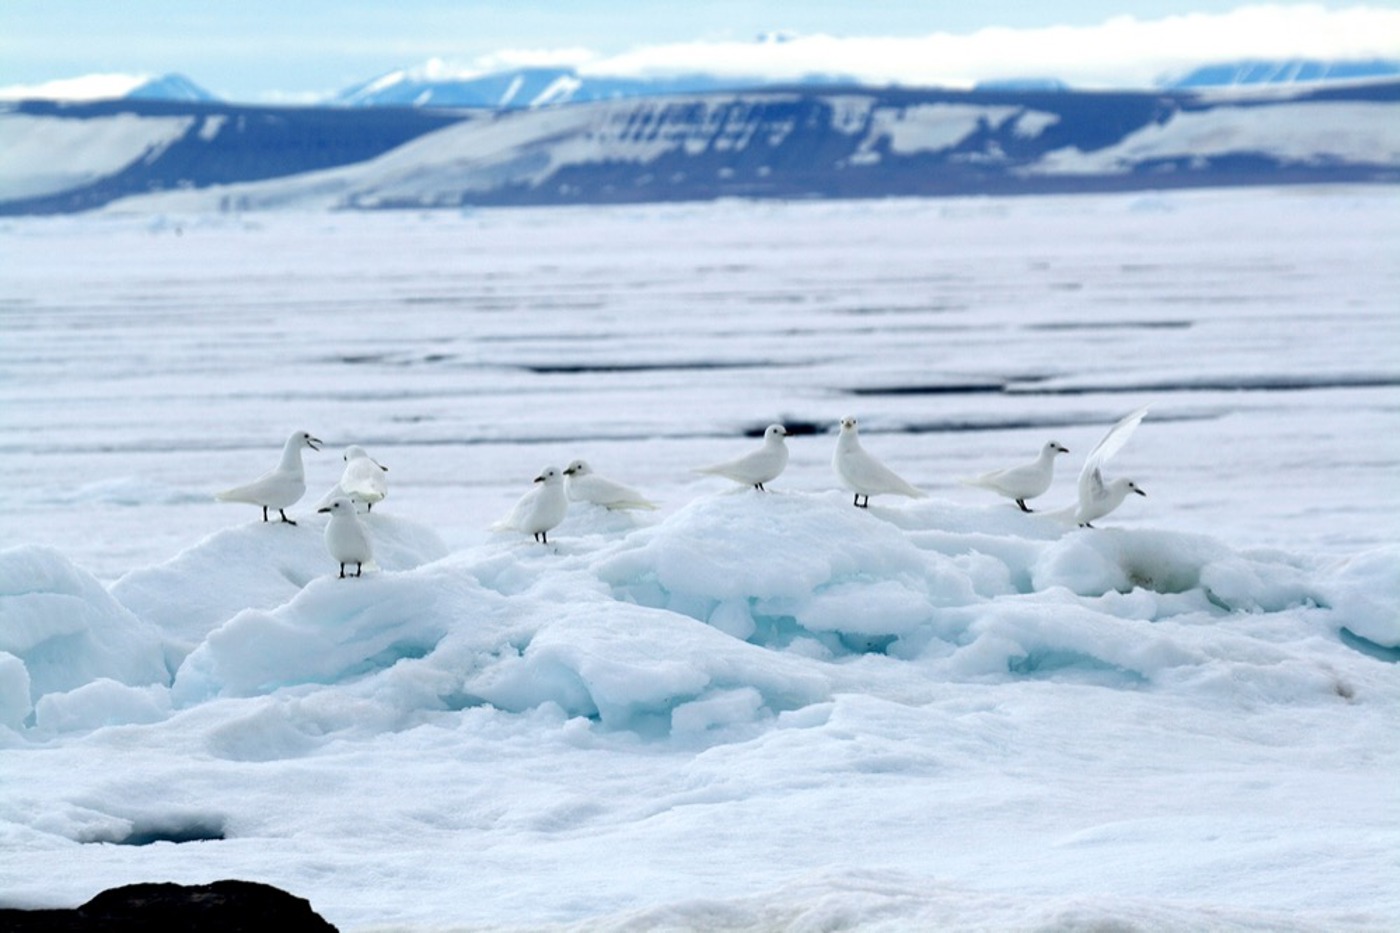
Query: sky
(272, 51)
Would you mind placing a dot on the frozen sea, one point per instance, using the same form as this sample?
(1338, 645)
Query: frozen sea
(746, 710)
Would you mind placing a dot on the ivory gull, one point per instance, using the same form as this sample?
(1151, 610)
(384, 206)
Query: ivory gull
(1097, 498)
(583, 485)
(759, 467)
(280, 488)
(362, 480)
(541, 508)
(861, 472)
(346, 537)
(1025, 481)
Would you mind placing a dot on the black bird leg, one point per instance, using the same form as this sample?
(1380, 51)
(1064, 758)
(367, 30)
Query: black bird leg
(342, 571)
(1022, 504)
(285, 518)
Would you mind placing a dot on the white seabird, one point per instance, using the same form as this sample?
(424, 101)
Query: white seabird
(1097, 498)
(346, 537)
(861, 472)
(1025, 481)
(762, 466)
(280, 488)
(362, 480)
(583, 485)
(540, 509)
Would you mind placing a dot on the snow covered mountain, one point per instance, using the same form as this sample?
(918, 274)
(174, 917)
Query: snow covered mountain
(170, 87)
(1289, 71)
(435, 85)
(793, 142)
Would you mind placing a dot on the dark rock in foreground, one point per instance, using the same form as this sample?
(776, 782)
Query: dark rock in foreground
(221, 907)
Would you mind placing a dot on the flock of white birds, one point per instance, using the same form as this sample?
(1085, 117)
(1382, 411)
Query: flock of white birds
(545, 505)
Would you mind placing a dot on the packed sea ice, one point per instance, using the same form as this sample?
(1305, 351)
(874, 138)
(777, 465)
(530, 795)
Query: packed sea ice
(747, 709)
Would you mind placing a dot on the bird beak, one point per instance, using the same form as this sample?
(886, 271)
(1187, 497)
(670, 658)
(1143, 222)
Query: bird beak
(1139, 492)
(381, 466)
(326, 509)
(539, 479)
(314, 443)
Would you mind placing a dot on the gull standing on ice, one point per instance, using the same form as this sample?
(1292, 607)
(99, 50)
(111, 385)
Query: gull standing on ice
(280, 488)
(583, 485)
(761, 466)
(363, 479)
(1097, 498)
(346, 538)
(540, 509)
(861, 472)
(1025, 481)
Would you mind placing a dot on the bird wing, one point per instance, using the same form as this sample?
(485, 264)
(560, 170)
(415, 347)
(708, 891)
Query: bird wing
(613, 494)
(1091, 486)
(363, 477)
(749, 468)
(1112, 442)
(866, 471)
(1025, 478)
(275, 489)
(518, 514)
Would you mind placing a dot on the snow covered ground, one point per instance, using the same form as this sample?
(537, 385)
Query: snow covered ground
(744, 710)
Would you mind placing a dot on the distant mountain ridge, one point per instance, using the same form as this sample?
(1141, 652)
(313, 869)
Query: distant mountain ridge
(536, 87)
(436, 85)
(170, 87)
(1254, 72)
(781, 142)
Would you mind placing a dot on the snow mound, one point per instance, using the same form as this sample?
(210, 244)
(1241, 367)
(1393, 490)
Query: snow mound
(61, 630)
(735, 610)
(258, 565)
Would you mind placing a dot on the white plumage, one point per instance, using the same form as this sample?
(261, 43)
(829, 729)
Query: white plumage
(540, 509)
(583, 485)
(346, 537)
(1025, 481)
(281, 487)
(762, 466)
(862, 473)
(364, 480)
(1097, 498)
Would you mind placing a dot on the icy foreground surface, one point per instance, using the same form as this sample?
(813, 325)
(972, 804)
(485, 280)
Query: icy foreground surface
(921, 705)
(744, 710)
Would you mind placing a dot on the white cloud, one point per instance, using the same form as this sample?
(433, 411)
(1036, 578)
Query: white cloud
(88, 87)
(506, 59)
(1123, 51)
